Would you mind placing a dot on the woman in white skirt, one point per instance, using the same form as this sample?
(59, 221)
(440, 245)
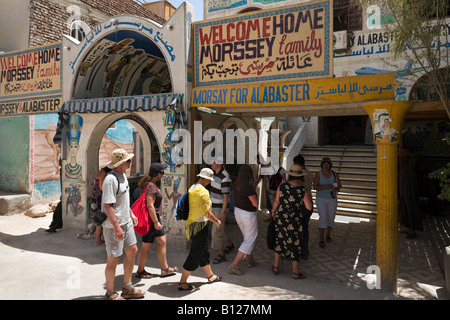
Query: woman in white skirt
(245, 211)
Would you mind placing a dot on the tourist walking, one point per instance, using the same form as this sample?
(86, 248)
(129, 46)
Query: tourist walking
(220, 190)
(156, 232)
(327, 184)
(291, 202)
(197, 230)
(308, 181)
(245, 212)
(118, 228)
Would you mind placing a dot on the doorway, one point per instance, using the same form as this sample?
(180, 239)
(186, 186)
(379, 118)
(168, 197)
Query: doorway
(345, 130)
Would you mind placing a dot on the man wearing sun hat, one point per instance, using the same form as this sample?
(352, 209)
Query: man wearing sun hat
(118, 228)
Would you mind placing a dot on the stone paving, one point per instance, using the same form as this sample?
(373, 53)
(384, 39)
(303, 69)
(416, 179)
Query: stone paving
(39, 265)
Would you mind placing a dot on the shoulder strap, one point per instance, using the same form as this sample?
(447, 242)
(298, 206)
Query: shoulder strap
(118, 182)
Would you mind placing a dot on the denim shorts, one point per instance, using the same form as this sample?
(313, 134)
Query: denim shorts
(115, 248)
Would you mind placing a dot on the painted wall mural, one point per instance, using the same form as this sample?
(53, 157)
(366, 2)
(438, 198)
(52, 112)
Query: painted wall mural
(124, 63)
(73, 170)
(171, 185)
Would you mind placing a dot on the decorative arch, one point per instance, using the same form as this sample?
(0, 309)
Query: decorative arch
(148, 138)
(423, 89)
(122, 63)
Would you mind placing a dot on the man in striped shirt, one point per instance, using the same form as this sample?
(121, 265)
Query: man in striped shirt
(220, 189)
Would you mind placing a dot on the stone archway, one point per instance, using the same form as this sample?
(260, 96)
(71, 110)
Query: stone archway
(148, 139)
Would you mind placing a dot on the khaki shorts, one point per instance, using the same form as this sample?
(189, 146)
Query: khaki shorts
(115, 248)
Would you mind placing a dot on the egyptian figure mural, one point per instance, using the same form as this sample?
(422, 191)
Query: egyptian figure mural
(73, 170)
(171, 185)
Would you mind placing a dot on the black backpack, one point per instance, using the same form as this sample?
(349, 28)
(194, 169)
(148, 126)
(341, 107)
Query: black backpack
(96, 203)
(182, 208)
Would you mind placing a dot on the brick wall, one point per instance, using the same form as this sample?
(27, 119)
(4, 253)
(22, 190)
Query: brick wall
(48, 17)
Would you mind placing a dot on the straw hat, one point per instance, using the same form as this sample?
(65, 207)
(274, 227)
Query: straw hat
(118, 157)
(206, 173)
(296, 171)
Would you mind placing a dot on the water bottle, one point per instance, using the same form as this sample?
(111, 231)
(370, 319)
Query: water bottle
(334, 194)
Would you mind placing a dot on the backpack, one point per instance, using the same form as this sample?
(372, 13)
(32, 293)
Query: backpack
(97, 214)
(182, 207)
(275, 180)
(139, 209)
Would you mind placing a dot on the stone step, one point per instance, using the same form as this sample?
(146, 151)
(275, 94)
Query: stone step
(357, 169)
(9, 201)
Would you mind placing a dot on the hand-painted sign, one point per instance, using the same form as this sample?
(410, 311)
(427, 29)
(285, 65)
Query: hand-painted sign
(344, 89)
(30, 81)
(32, 72)
(288, 43)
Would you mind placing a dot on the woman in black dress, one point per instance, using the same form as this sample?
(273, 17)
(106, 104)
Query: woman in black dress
(291, 201)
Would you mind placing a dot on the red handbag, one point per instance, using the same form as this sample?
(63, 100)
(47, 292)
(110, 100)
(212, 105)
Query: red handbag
(139, 209)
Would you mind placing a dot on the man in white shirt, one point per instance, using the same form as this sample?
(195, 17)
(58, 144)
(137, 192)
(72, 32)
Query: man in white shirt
(118, 228)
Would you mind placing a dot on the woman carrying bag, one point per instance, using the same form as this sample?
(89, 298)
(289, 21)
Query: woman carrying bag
(197, 231)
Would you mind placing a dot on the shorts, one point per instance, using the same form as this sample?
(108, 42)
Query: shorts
(115, 248)
(152, 233)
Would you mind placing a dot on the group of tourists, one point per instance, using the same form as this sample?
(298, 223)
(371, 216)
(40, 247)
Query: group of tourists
(209, 198)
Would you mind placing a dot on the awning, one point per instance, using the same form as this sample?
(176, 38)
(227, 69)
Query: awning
(135, 103)
(120, 104)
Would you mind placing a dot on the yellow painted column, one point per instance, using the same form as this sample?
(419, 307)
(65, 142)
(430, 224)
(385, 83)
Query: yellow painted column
(387, 123)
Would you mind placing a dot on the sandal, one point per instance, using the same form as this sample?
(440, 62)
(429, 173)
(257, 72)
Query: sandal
(236, 270)
(252, 264)
(298, 275)
(167, 272)
(328, 239)
(275, 270)
(132, 293)
(228, 248)
(322, 244)
(189, 287)
(143, 275)
(217, 279)
(219, 259)
(113, 296)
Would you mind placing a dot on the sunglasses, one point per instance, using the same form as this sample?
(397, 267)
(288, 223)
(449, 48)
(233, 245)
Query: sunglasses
(161, 172)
